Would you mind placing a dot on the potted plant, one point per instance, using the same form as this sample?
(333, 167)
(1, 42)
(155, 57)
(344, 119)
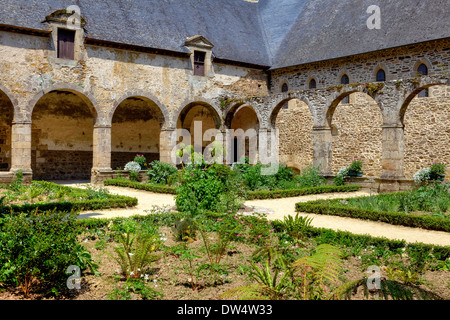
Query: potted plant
(437, 171)
(139, 158)
(354, 170)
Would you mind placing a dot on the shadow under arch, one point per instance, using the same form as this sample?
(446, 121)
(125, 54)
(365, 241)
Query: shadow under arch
(87, 98)
(136, 126)
(63, 123)
(147, 97)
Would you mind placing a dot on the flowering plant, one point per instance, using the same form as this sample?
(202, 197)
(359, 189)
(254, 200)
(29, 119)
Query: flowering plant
(134, 168)
(422, 175)
(438, 168)
(139, 158)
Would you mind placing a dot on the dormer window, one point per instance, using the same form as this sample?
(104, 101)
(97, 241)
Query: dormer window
(284, 87)
(313, 84)
(199, 63)
(201, 56)
(66, 44)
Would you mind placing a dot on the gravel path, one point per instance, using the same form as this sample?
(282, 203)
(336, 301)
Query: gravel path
(279, 208)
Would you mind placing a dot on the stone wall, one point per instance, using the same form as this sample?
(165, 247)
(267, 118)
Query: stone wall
(427, 131)
(294, 122)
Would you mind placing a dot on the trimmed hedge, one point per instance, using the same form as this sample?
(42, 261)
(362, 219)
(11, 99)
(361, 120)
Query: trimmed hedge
(276, 194)
(251, 195)
(394, 218)
(67, 206)
(140, 186)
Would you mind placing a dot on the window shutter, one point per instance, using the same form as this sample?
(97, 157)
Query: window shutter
(199, 63)
(66, 44)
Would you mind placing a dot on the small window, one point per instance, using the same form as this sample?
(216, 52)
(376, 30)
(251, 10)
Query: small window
(345, 80)
(423, 70)
(312, 84)
(284, 87)
(66, 44)
(199, 63)
(381, 75)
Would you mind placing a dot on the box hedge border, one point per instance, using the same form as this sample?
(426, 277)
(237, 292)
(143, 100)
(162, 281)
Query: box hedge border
(140, 186)
(251, 195)
(394, 218)
(67, 206)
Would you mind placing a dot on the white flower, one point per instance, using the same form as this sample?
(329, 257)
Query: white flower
(131, 273)
(132, 166)
(131, 254)
(146, 277)
(422, 175)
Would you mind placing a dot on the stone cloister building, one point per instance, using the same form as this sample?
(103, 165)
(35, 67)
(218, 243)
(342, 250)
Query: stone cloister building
(85, 86)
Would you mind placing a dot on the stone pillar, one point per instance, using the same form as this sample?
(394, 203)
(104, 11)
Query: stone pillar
(101, 167)
(392, 157)
(166, 145)
(323, 150)
(21, 149)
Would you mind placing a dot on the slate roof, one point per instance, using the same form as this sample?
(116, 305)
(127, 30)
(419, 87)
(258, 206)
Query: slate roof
(275, 33)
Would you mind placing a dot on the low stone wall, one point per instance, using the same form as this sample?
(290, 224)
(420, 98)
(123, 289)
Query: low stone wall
(378, 185)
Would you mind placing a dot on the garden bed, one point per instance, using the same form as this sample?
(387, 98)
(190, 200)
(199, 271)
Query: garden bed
(183, 270)
(45, 196)
(427, 207)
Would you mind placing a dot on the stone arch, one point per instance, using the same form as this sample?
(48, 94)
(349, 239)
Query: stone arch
(165, 119)
(62, 135)
(244, 121)
(356, 130)
(7, 112)
(199, 110)
(293, 118)
(426, 130)
(136, 123)
(67, 87)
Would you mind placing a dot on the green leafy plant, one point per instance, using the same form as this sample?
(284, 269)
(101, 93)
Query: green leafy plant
(141, 160)
(296, 226)
(133, 168)
(136, 250)
(136, 286)
(38, 248)
(161, 173)
(185, 230)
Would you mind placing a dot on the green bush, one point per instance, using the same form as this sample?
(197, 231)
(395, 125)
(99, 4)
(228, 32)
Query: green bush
(310, 177)
(208, 190)
(39, 247)
(161, 173)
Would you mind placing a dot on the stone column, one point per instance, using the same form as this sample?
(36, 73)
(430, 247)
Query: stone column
(166, 145)
(323, 150)
(21, 149)
(101, 167)
(392, 157)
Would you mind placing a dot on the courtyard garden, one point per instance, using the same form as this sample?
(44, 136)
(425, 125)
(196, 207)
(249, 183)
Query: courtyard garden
(209, 248)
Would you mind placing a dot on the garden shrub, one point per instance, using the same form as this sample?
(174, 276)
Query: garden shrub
(134, 168)
(141, 186)
(207, 189)
(162, 173)
(39, 247)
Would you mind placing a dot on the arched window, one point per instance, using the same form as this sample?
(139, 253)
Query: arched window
(312, 84)
(381, 75)
(345, 80)
(423, 70)
(284, 87)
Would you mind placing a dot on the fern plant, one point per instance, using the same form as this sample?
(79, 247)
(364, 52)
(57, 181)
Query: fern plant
(135, 252)
(296, 226)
